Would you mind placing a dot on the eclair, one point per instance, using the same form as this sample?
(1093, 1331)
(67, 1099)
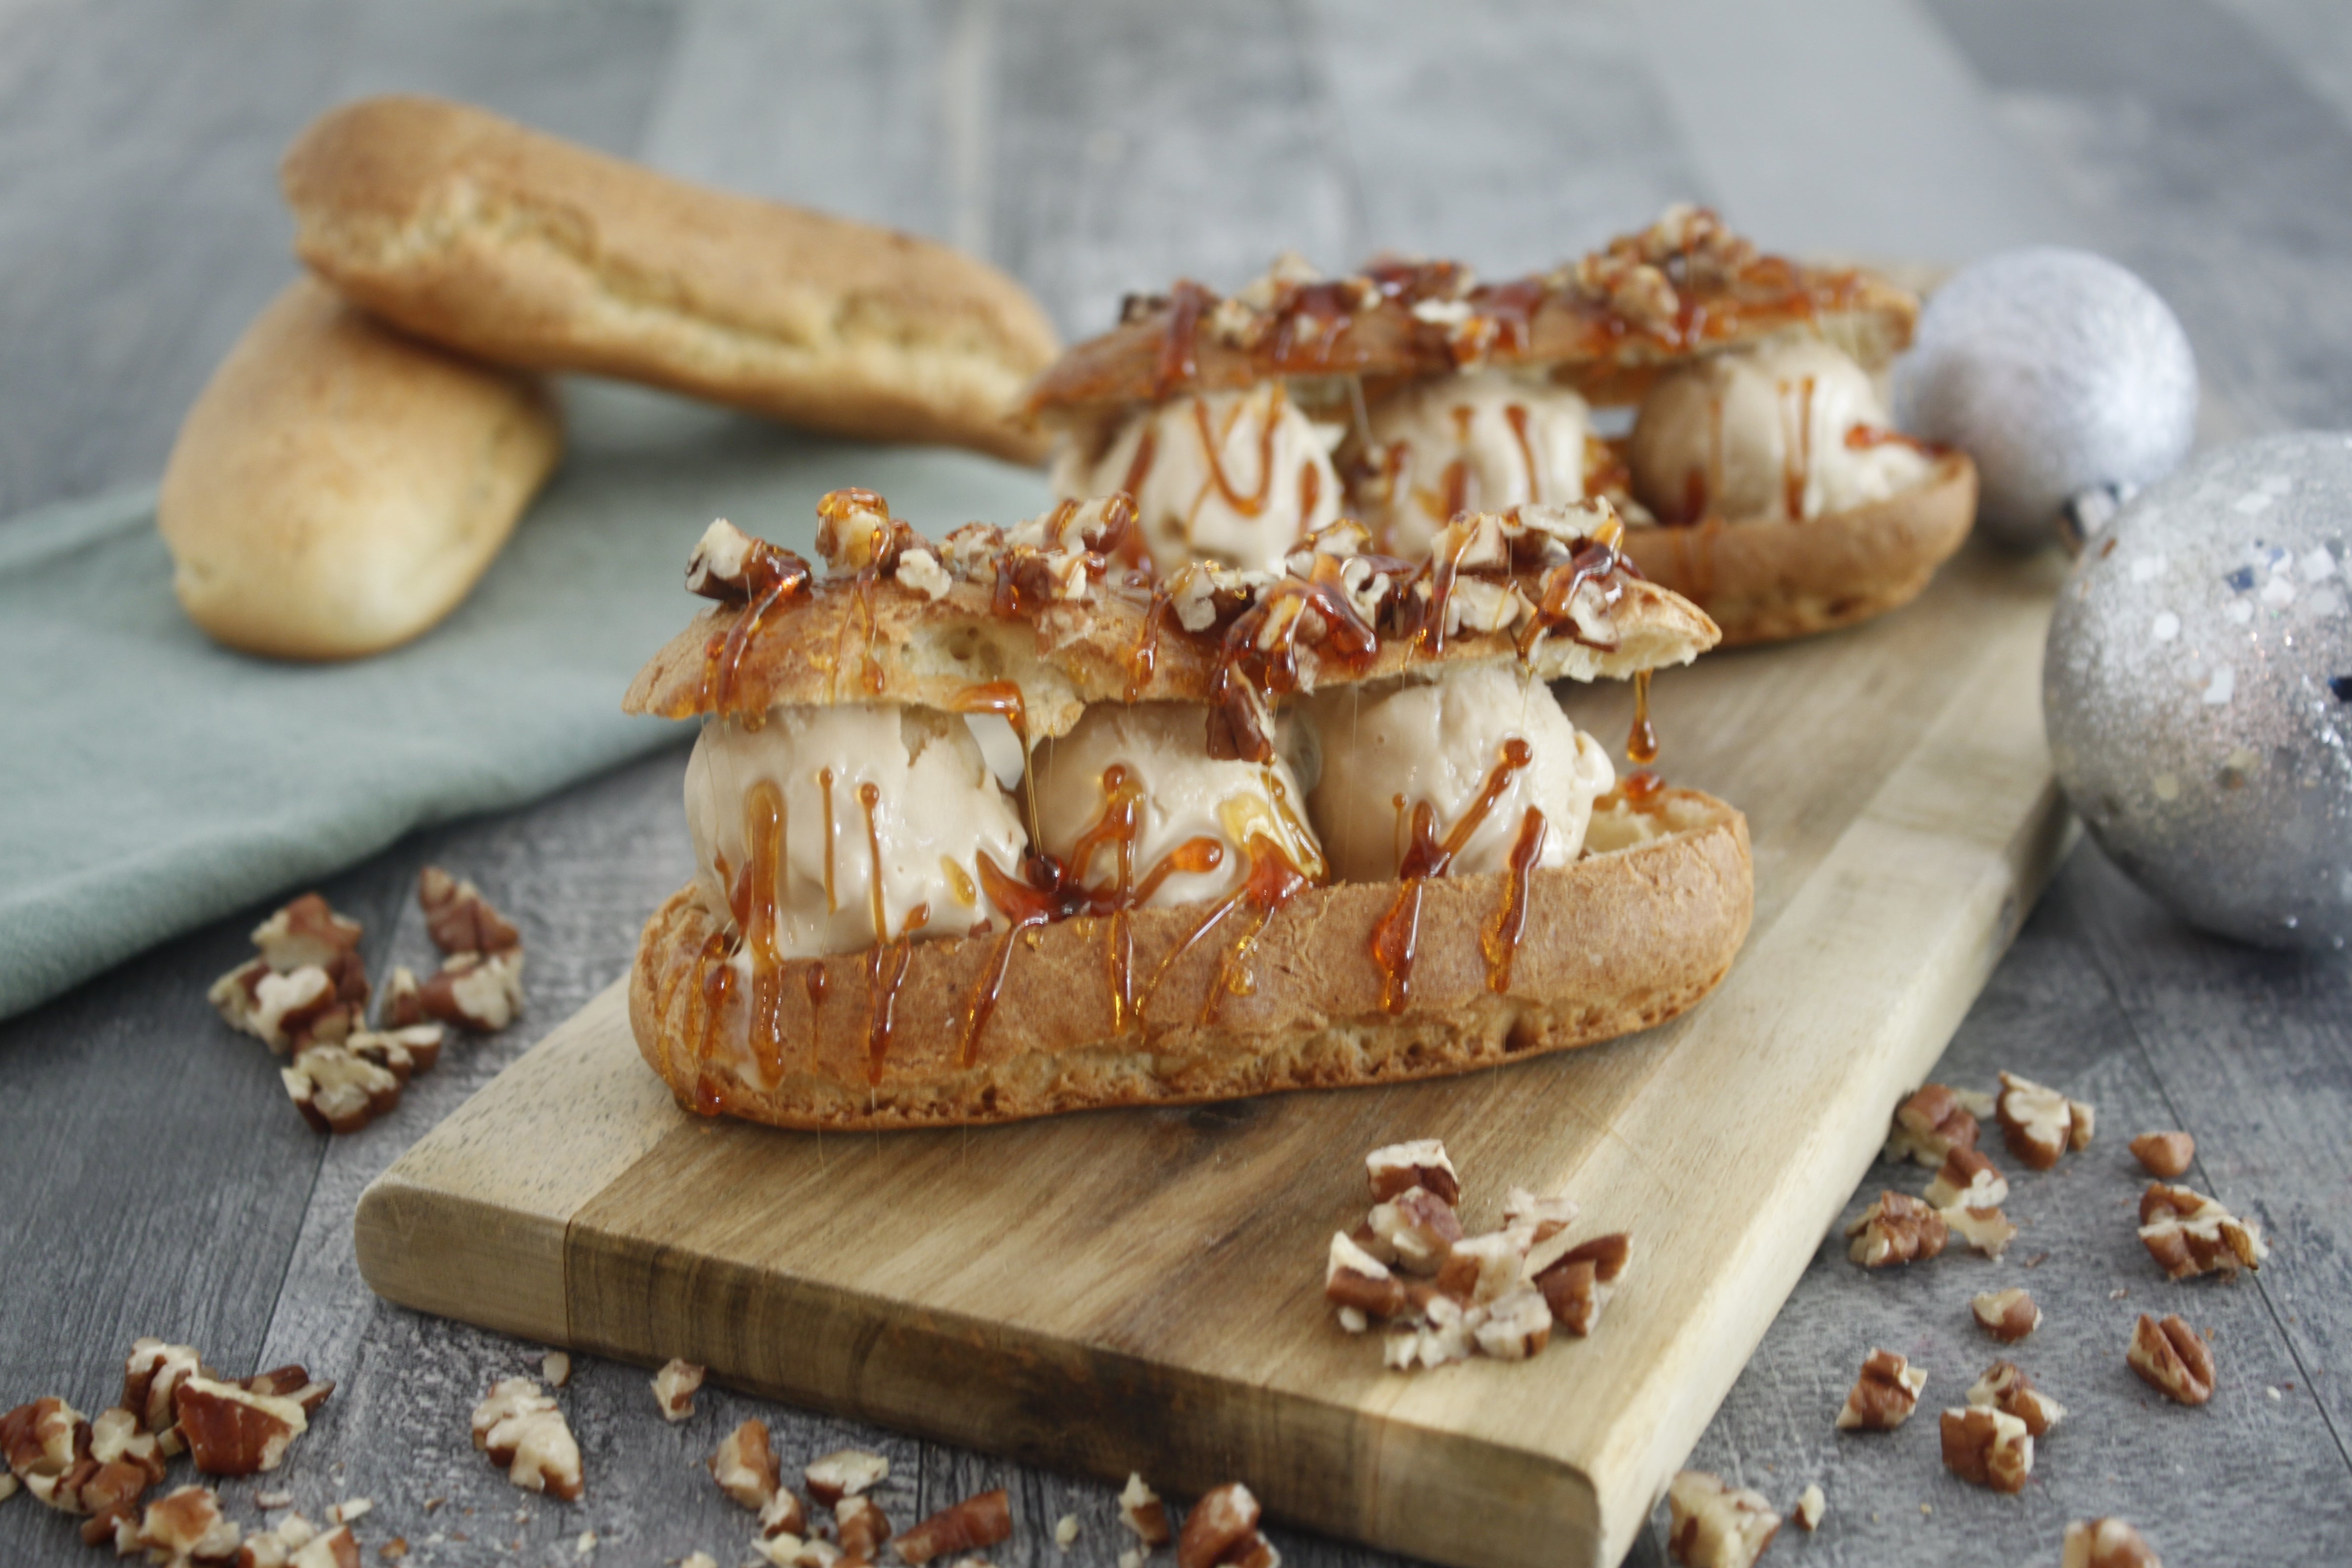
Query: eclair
(1313, 825)
(1759, 475)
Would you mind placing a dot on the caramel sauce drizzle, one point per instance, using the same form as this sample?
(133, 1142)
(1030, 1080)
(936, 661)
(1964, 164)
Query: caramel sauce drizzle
(717, 980)
(1139, 467)
(1396, 935)
(1862, 437)
(1003, 697)
(1144, 656)
(774, 579)
(1516, 415)
(825, 783)
(1179, 344)
(1252, 504)
(763, 834)
(869, 795)
(1499, 939)
(1642, 743)
(1272, 881)
(1796, 446)
(1310, 492)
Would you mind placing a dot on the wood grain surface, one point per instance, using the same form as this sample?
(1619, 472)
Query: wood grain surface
(1141, 1289)
(153, 1179)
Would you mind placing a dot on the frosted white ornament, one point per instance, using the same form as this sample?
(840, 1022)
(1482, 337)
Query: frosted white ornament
(2060, 372)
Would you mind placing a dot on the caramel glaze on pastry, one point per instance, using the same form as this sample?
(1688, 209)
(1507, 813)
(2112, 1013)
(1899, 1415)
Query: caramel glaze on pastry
(1761, 476)
(987, 991)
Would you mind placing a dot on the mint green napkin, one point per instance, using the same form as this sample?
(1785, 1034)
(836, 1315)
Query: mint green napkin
(151, 781)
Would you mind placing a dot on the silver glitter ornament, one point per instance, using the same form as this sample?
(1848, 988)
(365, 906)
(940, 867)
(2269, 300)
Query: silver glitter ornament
(2060, 372)
(2197, 687)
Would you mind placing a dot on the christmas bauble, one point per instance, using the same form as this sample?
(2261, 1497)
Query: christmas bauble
(2198, 690)
(2058, 371)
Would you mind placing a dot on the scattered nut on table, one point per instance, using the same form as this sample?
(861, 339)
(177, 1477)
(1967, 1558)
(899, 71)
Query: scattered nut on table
(2164, 1155)
(744, 1466)
(980, 1520)
(2189, 1234)
(1221, 1530)
(2172, 1358)
(1141, 1511)
(842, 1473)
(2007, 1315)
(2038, 1123)
(674, 1388)
(1987, 1447)
(2107, 1543)
(1712, 1524)
(520, 1427)
(1885, 1394)
(2005, 1387)
(1810, 1506)
(1929, 1125)
(1897, 1229)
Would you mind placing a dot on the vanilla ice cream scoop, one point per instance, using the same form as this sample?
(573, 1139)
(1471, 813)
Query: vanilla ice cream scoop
(1483, 442)
(1136, 810)
(1763, 431)
(1236, 476)
(1447, 743)
(863, 823)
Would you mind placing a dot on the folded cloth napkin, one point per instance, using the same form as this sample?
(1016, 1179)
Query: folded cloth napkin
(151, 781)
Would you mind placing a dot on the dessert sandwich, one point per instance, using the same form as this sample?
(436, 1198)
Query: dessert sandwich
(1759, 476)
(1316, 825)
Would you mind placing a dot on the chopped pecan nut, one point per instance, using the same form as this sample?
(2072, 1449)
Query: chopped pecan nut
(2107, 1543)
(403, 1053)
(280, 1547)
(1884, 1394)
(41, 1441)
(119, 1434)
(861, 1526)
(1576, 1284)
(2189, 1234)
(242, 1428)
(2007, 1315)
(304, 932)
(1353, 1277)
(967, 1526)
(1715, 1525)
(182, 1526)
(475, 991)
(1967, 1179)
(674, 1388)
(458, 919)
(1481, 1268)
(846, 1472)
(556, 1367)
(1930, 1124)
(1810, 1506)
(1142, 1511)
(1536, 1219)
(1987, 1447)
(2036, 1122)
(1221, 1529)
(1419, 1163)
(783, 1515)
(338, 1091)
(1897, 1229)
(731, 567)
(2164, 1155)
(745, 1466)
(1419, 1226)
(7, 1486)
(2171, 1358)
(2006, 1388)
(1986, 1230)
(151, 1373)
(1517, 1325)
(519, 1427)
(289, 1009)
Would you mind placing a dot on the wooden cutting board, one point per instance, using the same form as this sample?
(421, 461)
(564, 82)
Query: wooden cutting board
(1143, 1290)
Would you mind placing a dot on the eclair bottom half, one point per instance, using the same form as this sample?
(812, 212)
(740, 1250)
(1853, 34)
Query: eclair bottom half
(1170, 1006)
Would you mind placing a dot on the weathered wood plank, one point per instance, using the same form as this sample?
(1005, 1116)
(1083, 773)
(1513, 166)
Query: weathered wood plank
(141, 227)
(2051, 1013)
(1136, 145)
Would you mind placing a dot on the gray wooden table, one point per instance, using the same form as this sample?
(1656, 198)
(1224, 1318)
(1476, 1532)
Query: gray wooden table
(153, 1179)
